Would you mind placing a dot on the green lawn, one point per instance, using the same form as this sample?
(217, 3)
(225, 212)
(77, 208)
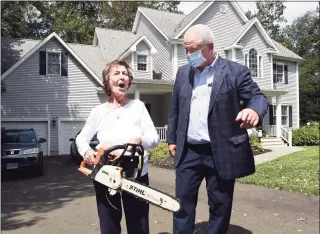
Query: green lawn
(298, 172)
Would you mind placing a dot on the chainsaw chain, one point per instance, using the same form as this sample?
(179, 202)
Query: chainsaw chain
(141, 199)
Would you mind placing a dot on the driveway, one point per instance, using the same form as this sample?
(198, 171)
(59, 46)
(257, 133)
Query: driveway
(62, 201)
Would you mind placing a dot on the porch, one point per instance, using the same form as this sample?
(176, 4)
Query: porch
(157, 99)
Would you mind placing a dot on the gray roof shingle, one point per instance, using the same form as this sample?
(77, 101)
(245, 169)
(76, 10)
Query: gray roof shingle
(114, 42)
(165, 21)
(284, 52)
(184, 22)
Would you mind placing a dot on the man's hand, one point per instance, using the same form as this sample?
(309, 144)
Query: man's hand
(249, 118)
(172, 150)
(134, 140)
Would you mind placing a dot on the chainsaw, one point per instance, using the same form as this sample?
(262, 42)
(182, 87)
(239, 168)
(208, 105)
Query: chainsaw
(120, 175)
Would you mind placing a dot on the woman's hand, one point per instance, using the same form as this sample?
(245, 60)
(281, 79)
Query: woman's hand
(134, 140)
(89, 156)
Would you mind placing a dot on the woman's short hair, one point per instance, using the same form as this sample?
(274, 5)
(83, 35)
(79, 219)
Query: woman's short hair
(106, 72)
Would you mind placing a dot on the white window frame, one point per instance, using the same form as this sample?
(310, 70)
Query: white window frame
(275, 115)
(259, 59)
(287, 115)
(283, 75)
(47, 62)
(146, 63)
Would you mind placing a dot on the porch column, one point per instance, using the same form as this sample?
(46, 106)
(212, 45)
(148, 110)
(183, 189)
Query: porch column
(136, 93)
(278, 116)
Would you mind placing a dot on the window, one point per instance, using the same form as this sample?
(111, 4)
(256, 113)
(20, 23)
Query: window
(280, 73)
(142, 62)
(53, 63)
(286, 115)
(254, 62)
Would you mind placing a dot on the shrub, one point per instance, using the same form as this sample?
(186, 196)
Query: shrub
(255, 144)
(160, 151)
(306, 135)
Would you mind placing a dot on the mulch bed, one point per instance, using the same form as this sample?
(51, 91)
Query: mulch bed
(167, 162)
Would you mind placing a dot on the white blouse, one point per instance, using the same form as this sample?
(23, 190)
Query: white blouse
(118, 126)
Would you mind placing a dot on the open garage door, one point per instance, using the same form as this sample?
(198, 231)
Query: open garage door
(40, 127)
(68, 129)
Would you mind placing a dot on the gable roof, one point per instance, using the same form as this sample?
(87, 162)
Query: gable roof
(165, 21)
(37, 45)
(245, 28)
(114, 42)
(196, 13)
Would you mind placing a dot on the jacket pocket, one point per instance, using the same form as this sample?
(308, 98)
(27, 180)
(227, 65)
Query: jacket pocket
(238, 139)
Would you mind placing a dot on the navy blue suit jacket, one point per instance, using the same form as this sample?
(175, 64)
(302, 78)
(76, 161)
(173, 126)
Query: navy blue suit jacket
(232, 154)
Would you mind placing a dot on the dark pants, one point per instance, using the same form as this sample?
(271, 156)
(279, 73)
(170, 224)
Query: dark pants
(136, 211)
(197, 163)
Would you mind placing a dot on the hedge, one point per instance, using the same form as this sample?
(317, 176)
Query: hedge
(306, 135)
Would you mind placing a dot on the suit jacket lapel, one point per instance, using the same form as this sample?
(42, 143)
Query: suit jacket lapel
(217, 82)
(189, 86)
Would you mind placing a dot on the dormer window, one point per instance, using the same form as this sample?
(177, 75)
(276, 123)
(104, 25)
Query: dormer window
(142, 63)
(254, 62)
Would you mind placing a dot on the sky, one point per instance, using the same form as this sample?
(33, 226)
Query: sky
(293, 10)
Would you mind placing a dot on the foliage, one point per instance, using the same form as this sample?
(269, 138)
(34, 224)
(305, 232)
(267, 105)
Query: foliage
(269, 14)
(255, 144)
(306, 135)
(74, 21)
(160, 151)
(297, 172)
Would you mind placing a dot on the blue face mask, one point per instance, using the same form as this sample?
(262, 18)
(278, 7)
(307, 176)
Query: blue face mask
(196, 58)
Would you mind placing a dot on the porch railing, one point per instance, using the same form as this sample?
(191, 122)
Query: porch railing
(270, 130)
(162, 132)
(286, 135)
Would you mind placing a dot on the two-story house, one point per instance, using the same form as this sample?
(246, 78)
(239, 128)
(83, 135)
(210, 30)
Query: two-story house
(52, 85)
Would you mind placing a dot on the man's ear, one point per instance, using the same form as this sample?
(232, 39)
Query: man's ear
(211, 45)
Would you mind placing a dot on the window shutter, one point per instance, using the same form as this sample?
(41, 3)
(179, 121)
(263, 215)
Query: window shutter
(270, 115)
(274, 73)
(286, 74)
(64, 64)
(246, 59)
(290, 116)
(260, 66)
(42, 63)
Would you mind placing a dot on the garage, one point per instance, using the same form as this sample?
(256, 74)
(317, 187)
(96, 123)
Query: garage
(68, 129)
(41, 128)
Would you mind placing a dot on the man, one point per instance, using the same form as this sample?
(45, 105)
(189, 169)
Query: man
(207, 133)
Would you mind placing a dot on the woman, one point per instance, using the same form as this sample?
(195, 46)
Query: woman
(119, 121)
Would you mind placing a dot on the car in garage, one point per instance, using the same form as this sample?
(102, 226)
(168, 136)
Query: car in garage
(21, 149)
(74, 153)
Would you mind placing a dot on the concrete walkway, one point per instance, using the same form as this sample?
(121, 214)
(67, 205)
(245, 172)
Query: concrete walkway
(276, 152)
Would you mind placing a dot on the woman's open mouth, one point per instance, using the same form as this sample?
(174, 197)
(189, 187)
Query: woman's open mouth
(121, 85)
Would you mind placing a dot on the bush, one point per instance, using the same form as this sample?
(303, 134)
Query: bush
(306, 135)
(160, 151)
(255, 144)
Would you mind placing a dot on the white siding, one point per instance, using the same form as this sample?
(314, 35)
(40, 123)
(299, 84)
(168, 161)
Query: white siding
(32, 95)
(291, 87)
(253, 39)
(182, 56)
(223, 26)
(162, 61)
(142, 49)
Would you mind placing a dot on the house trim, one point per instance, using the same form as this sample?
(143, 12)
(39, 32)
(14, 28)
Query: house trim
(233, 4)
(133, 47)
(298, 96)
(32, 120)
(137, 19)
(261, 30)
(38, 46)
(174, 61)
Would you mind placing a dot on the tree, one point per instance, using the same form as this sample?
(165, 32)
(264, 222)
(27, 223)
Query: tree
(270, 15)
(74, 21)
